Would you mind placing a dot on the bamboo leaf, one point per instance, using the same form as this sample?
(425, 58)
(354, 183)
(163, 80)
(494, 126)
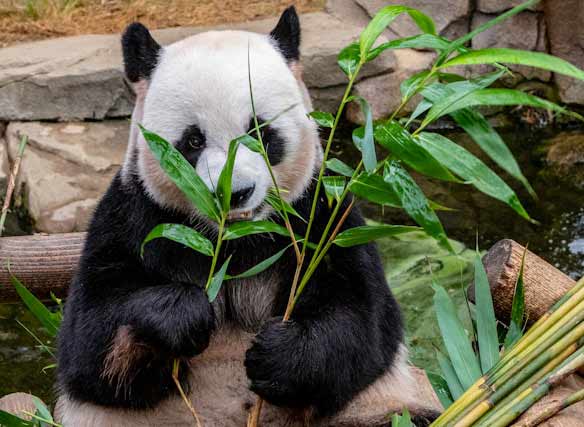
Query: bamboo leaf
(41, 409)
(181, 234)
(363, 136)
(375, 189)
(455, 340)
(349, 58)
(280, 204)
(224, 183)
(262, 266)
(488, 337)
(217, 281)
(9, 420)
(441, 389)
(339, 167)
(325, 120)
(471, 170)
(251, 143)
(415, 203)
(51, 321)
(247, 228)
(182, 173)
(400, 142)
(450, 377)
(519, 57)
(333, 187)
(367, 233)
(420, 41)
(517, 309)
(409, 86)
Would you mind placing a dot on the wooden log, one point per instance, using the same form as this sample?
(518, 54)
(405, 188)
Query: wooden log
(44, 263)
(543, 283)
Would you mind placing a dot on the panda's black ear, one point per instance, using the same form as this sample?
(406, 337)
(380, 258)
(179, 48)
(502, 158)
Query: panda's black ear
(140, 52)
(287, 34)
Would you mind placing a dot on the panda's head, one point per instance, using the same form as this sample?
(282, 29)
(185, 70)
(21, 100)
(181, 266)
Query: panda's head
(195, 94)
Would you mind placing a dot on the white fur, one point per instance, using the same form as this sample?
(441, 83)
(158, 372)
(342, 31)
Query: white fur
(203, 80)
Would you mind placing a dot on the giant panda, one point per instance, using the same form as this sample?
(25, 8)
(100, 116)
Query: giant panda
(128, 317)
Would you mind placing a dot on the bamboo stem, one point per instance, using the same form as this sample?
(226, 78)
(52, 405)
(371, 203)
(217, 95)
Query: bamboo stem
(552, 410)
(12, 182)
(183, 395)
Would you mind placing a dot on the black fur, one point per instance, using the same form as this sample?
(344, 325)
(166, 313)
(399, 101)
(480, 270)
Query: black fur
(191, 144)
(344, 332)
(140, 52)
(273, 142)
(287, 34)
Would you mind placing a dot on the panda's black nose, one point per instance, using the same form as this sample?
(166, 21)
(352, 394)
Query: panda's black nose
(239, 197)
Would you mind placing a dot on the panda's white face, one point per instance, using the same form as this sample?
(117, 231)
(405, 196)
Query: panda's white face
(198, 98)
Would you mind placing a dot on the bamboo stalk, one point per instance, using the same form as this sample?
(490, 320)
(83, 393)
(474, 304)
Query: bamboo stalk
(550, 411)
(183, 395)
(12, 181)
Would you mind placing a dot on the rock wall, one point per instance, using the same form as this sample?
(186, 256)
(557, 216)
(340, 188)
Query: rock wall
(77, 84)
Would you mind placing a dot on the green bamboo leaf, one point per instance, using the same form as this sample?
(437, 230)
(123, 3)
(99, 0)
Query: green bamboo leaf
(441, 389)
(41, 409)
(367, 233)
(181, 234)
(247, 228)
(403, 420)
(281, 205)
(363, 136)
(506, 97)
(262, 266)
(455, 339)
(459, 91)
(224, 183)
(9, 420)
(471, 170)
(450, 377)
(333, 187)
(375, 189)
(384, 18)
(51, 321)
(217, 280)
(337, 166)
(409, 86)
(250, 142)
(515, 330)
(420, 41)
(400, 142)
(420, 109)
(519, 57)
(481, 131)
(325, 120)
(348, 59)
(415, 202)
(514, 333)
(488, 337)
(182, 173)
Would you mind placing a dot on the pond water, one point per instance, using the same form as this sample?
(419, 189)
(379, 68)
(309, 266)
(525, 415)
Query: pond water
(410, 260)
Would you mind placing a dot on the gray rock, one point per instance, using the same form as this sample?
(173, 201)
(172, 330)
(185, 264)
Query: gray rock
(497, 6)
(565, 19)
(566, 158)
(525, 31)
(66, 168)
(82, 78)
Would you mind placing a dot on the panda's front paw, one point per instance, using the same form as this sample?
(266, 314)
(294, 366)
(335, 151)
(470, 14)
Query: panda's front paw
(275, 365)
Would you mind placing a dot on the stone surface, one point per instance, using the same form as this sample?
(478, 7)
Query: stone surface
(81, 77)
(497, 6)
(383, 93)
(566, 158)
(66, 168)
(565, 21)
(525, 31)
(445, 13)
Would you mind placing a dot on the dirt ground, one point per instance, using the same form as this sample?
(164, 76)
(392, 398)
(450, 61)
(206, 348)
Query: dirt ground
(26, 20)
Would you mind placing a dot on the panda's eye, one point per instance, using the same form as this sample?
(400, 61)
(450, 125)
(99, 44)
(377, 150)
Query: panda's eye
(192, 139)
(195, 143)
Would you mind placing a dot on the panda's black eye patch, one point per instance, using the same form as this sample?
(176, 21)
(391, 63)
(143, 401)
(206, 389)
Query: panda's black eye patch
(191, 144)
(273, 142)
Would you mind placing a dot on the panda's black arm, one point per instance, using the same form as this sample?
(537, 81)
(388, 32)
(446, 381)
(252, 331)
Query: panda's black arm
(346, 330)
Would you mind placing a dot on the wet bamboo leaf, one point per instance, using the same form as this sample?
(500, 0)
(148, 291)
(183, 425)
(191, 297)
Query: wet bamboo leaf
(333, 187)
(488, 337)
(400, 143)
(251, 143)
(384, 18)
(349, 58)
(51, 321)
(375, 189)
(450, 377)
(247, 228)
(325, 120)
(262, 266)
(181, 234)
(363, 136)
(180, 171)
(506, 97)
(339, 167)
(224, 182)
(367, 233)
(471, 170)
(9, 420)
(519, 57)
(409, 86)
(414, 202)
(457, 344)
(217, 280)
(441, 389)
(459, 91)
